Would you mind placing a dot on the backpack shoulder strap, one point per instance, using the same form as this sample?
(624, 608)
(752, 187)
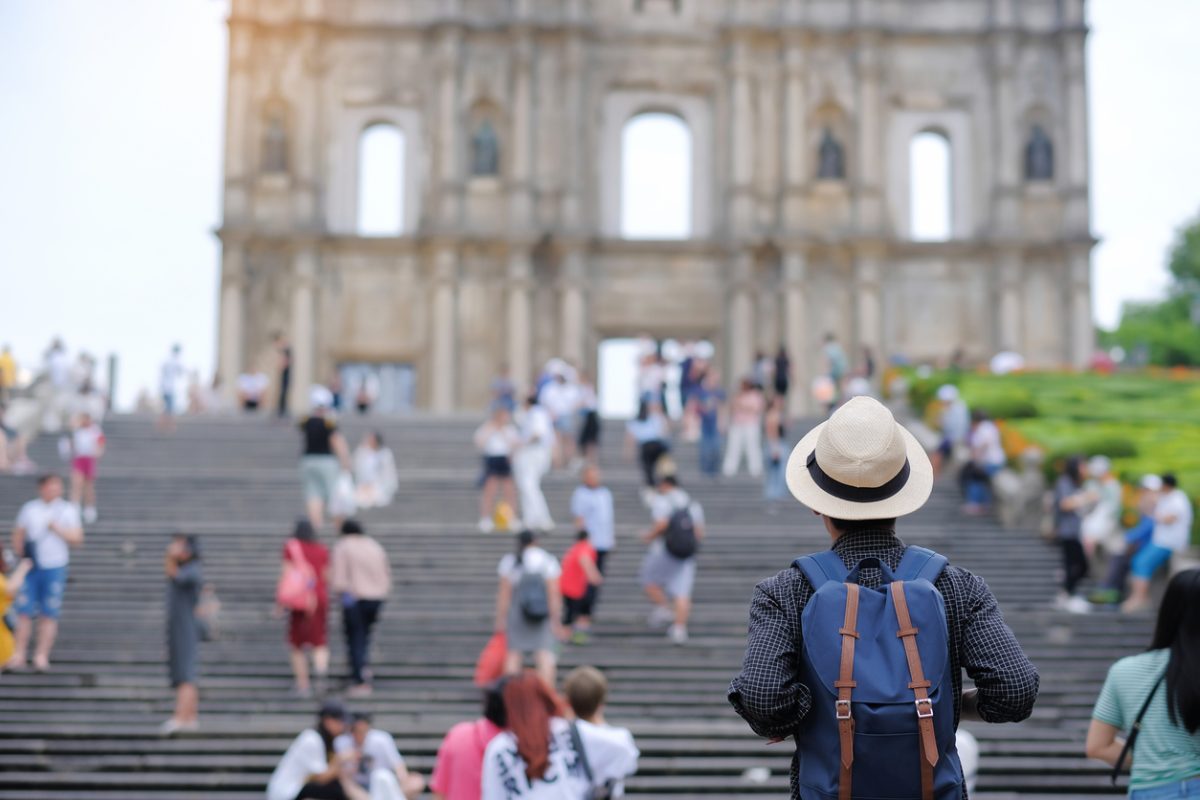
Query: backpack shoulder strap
(919, 563)
(822, 567)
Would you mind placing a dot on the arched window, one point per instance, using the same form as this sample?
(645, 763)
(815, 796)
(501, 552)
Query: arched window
(656, 177)
(931, 197)
(381, 181)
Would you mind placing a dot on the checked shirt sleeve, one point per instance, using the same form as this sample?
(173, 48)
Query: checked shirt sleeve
(1006, 679)
(768, 693)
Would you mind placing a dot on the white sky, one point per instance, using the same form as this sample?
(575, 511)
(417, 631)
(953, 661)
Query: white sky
(110, 164)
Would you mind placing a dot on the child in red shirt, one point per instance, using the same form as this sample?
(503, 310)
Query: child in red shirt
(578, 582)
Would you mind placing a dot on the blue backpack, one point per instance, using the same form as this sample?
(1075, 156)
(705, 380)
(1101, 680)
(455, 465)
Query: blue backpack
(878, 665)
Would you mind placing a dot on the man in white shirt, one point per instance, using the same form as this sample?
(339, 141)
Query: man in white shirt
(592, 508)
(586, 690)
(380, 767)
(45, 530)
(1172, 530)
(560, 397)
(169, 375)
(666, 578)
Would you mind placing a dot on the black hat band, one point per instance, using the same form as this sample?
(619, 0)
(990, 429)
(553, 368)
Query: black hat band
(856, 494)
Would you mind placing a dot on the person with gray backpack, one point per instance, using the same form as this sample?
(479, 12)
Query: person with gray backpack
(669, 566)
(857, 652)
(529, 607)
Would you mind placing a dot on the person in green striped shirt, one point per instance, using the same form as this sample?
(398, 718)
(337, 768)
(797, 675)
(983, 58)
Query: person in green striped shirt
(1166, 755)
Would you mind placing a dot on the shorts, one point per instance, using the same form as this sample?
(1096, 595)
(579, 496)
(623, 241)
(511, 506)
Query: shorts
(309, 629)
(674, 576)
(1176, 790)
(85, 466)
(42, 593)
(1148, 560)
(168, 403)
(250, 404)
(319, 475)
(564, 424)
(589, 434)
(576, 607)
(497, 466)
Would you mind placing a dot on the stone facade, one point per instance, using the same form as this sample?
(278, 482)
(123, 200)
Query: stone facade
(525, 261)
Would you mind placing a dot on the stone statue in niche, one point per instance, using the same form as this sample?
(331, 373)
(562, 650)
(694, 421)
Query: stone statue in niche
(485, 150)
(1039, 156)
(274, 157)
(831, 162)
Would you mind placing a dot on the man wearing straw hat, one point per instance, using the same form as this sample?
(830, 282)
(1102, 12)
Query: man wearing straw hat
(859, 472)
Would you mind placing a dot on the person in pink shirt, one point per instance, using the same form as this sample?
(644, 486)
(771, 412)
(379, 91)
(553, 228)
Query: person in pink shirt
(458, 772)
(745, 430)
(87, 447)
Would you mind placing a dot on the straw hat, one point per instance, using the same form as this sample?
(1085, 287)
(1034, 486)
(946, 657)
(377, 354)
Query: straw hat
(860, 464)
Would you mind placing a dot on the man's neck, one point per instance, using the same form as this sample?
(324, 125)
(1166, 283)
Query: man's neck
(595, 719)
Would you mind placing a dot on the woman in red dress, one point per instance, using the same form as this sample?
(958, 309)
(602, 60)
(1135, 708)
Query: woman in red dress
(306, 629)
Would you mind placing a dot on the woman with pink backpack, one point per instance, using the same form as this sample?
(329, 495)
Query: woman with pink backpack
(302, 593)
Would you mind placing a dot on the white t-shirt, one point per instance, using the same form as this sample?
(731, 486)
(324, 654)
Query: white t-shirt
(35, 517)
(985, 439)
(304, 757)
(534, 559)
(662, 506)
(595, 508)
(537, 428)
(611, 754)
(378, 752)
(500, 441)
(170, 374)
(59, 368)
(252, 385)
(87, 441)
(560, 399)
(1174, 535)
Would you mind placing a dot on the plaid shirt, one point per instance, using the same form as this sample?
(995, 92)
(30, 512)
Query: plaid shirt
(769, 694)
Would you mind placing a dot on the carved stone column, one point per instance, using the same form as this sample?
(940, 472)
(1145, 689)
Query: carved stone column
(574, 141)
(233, 283)
(1009, 328)
(521, 197)
(741, 143)
(520, 318)
(870, 136)
(795, 330)
(740, 336)
(1007, 135)
(237, 111)
(795, 155)
(443, 363)
(573, 308)
(304, 280)
(1075, 98)
(870, 310)
(1083, 337)
(449, 127)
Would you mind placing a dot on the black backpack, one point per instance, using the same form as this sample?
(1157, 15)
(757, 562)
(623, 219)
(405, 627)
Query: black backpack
(531, 597)
(680, 536)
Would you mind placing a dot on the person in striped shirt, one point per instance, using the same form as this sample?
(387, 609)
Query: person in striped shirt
(1166, 755)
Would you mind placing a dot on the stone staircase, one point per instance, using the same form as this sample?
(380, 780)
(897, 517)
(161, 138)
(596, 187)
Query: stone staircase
(88, 729)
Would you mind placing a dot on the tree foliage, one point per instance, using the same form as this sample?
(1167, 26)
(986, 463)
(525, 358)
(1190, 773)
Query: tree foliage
(1167, 333)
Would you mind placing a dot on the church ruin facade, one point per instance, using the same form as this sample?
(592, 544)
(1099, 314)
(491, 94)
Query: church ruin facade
(434, 187)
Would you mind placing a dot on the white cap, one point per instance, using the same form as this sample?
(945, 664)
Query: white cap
(320, 397)
(947, 393)
(1099, 465)
(1152, 482)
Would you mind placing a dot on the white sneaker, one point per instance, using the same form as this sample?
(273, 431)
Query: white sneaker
(660, 617)
(677, 634)
(1078, 605)
(89, 515)
(486, 525)
(1060, 601)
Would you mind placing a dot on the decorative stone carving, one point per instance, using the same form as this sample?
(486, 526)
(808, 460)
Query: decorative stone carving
(274, 145)
(831, 162)
(1039, 156)
(485, 150)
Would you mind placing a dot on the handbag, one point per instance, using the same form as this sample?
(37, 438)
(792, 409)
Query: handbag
(297, 587)
(1134, 730)
(594, 792)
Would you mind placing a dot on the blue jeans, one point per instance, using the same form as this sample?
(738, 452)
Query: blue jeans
(42, 593)
(358, 618)
(979, 491)
(775, 487)
(1184, 788)
(710, 453)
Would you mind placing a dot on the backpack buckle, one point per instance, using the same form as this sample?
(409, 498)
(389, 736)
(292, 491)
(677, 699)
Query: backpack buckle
(842, 709)
(928, 707)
